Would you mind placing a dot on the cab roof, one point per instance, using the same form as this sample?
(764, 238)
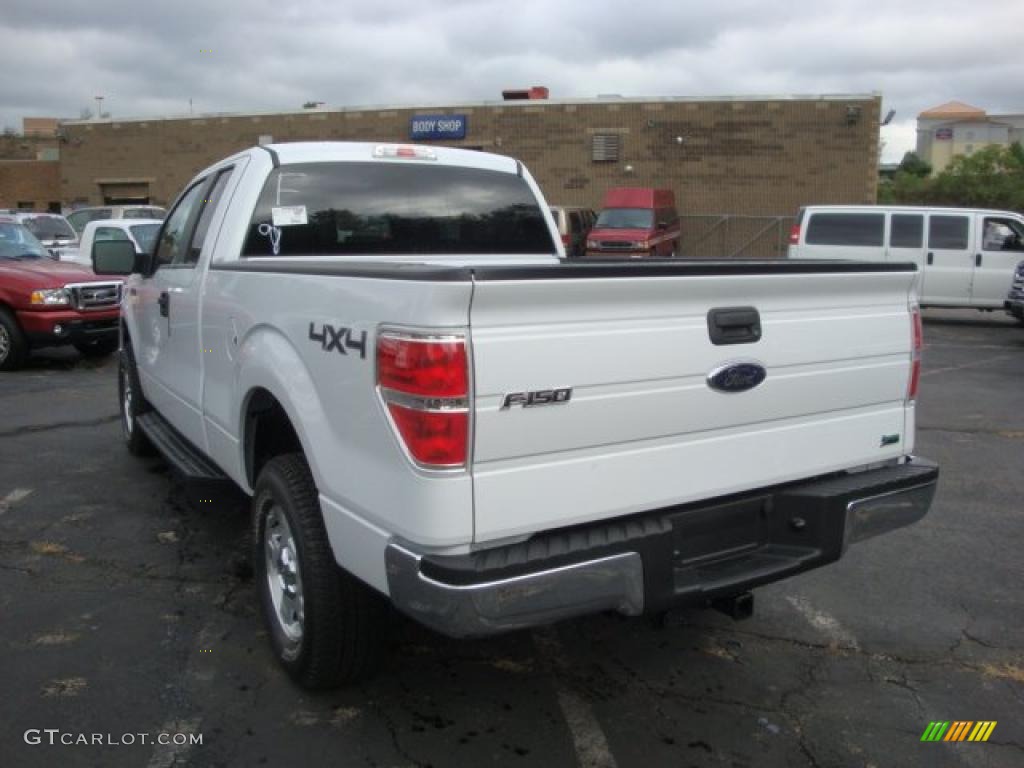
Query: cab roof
(351, 151)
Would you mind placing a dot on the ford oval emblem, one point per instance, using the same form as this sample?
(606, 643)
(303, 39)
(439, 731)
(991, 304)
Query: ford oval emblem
(737, 377)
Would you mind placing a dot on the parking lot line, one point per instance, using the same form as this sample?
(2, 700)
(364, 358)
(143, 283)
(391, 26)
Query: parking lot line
(825, 623)
(13, 498)
(588, 738)
(168, 755)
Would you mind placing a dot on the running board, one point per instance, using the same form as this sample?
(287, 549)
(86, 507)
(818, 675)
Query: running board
(178, 451)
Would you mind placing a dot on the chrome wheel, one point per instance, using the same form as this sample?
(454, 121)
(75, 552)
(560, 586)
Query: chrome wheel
(5, 343)
(284, 577)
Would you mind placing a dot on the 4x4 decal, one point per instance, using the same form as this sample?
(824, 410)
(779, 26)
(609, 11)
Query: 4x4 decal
(339, 339)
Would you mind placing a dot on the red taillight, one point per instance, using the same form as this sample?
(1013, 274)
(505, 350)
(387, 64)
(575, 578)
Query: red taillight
(425, 384)
(917, 336)
(422, 367)
(794, 235)
(434, 438)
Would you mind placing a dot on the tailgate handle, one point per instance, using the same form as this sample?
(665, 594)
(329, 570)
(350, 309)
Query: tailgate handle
(734, 325)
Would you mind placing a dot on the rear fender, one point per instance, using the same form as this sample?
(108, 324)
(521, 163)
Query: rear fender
(268, 360)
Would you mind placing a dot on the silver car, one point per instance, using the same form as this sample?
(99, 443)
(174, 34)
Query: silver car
(52, 230)
(82, 216)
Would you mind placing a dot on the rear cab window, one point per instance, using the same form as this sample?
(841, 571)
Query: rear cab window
(850, 229)
(356, 208)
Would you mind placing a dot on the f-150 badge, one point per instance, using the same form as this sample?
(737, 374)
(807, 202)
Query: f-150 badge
(537, 397)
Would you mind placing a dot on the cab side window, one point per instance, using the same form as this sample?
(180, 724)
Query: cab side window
(173, 244)
(907, 230)
(1002, 235)
(947, 233)
(213, 197)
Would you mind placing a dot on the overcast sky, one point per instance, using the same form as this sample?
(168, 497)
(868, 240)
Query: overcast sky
(150, 58)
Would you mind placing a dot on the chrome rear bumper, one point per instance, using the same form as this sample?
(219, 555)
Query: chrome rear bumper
(691, 554)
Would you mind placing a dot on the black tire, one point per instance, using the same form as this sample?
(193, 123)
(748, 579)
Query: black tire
(13, 344)
(132, 404)
(97, 347)
(335, 624)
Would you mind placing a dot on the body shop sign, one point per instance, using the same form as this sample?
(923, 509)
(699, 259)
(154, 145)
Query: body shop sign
(437, 127)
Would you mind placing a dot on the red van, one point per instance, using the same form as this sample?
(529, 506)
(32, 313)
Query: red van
(636, 222)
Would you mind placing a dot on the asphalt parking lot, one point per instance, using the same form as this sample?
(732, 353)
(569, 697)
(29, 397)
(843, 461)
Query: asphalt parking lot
(125, 609)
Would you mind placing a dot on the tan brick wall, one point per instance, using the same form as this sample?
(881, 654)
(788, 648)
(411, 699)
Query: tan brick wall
(35, 181)
(763, 157)
(18, 147)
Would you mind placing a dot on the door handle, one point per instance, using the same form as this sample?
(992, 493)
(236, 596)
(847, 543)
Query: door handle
(977, 260)
(164, 303)
(931, 257)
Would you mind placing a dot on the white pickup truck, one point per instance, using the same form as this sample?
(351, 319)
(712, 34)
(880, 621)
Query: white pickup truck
(383, 346)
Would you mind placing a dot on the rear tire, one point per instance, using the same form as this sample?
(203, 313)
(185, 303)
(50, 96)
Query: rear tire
(97, 347)
(13, 344)
(325, 625)
(133, 404)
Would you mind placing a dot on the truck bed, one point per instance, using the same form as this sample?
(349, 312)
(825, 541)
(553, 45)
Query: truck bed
(643, 429)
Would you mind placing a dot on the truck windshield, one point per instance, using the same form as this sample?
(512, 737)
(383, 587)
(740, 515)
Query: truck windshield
(314, 209)
(625, 218)
(16, 242)
(49, 228)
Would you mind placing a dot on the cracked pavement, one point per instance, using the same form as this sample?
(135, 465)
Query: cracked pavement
(125, 609)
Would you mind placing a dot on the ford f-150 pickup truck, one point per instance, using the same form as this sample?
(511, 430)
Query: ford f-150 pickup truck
(45, 303)
(383, 346)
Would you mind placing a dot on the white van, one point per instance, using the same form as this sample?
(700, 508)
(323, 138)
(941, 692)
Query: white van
(966, 256)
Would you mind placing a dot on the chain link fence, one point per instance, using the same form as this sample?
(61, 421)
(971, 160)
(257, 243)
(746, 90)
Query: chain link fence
(729, 236)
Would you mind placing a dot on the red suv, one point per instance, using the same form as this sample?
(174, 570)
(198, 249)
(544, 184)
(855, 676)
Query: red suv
(44, 303)
(636, 222)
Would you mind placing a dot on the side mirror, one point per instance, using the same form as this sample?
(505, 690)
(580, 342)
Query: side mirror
(115, 257)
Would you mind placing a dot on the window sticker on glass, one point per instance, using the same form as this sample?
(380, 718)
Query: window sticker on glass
(289, 215)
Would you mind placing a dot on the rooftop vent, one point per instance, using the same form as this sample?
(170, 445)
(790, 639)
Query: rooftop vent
(517, 94)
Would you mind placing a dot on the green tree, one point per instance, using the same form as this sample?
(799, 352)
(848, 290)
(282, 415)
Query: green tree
(992, 177)
(915, 166)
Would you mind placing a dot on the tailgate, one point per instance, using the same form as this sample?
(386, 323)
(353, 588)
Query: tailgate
(643, 429)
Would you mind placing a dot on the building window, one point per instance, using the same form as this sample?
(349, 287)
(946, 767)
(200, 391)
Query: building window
(25, 205)
(605, 148)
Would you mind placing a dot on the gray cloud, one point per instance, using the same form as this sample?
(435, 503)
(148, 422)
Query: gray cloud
(149, 59)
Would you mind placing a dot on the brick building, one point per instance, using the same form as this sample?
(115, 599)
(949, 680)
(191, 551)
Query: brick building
(758, 156)
(32, 185)
(29, 168)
